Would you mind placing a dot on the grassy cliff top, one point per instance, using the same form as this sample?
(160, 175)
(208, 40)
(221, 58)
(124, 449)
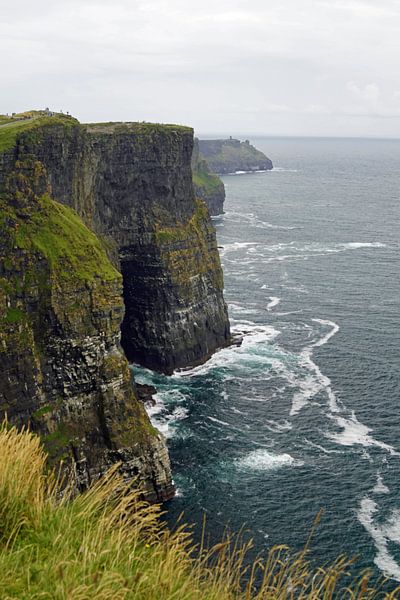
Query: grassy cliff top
(135, 127)
(12, 127)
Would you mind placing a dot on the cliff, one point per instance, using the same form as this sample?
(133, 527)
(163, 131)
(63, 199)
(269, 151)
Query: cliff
(132, 185)
(207, 186)
(62, 366)
(230, 155)
(61, 306)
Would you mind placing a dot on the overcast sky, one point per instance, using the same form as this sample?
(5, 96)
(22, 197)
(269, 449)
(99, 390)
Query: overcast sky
(291, 67)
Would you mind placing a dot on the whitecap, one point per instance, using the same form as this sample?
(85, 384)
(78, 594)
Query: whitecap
(214, 420)
(353, 432)
(356, 245)
(380, 487)
(263, 460)
(274, 301)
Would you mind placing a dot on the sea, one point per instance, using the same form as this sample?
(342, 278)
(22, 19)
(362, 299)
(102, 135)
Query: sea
(304, 416)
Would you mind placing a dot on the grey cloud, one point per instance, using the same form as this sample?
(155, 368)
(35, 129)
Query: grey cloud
(293, 67)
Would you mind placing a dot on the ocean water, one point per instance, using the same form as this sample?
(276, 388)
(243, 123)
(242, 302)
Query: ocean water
(305, 414)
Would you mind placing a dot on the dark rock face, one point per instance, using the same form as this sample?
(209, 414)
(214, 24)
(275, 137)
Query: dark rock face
(207, 186)
(228, 156)
(132, 184)
(63, 370)
(61, 307)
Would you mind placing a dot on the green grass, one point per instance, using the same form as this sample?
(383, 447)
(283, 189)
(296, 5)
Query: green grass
(43, 410)
(57, 232)
(107, 544)
(11, 129)
(179, 233)
(208, 182)
(137, 127)
(14, 315)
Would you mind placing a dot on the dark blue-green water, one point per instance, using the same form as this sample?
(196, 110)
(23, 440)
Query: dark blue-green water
(306, 413)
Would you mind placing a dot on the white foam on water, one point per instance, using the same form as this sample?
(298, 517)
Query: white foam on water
(278, 427)
(253, 220)
(316, 381)
(253, 335)
(325, 339)
(234, 247)
(283, 170)
(214, 420)
(380, 487)
(274, 301)
(263, 460)
(381, 535)
(161, 417)
(237, 308)
(356, 245)
(353, 432)
(322, 448)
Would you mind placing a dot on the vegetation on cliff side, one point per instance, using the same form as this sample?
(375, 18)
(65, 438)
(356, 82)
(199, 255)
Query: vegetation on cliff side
(207, 183)
(108, 544)
(58, 235)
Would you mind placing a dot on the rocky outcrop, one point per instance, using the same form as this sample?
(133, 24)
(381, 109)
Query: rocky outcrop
(207, 186)
(63, 371)
(230, 155)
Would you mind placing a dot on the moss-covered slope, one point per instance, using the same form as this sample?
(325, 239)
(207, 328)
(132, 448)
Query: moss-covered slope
(62, 368)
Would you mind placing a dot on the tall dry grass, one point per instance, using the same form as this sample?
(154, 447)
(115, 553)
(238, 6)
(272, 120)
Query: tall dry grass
(108, 544)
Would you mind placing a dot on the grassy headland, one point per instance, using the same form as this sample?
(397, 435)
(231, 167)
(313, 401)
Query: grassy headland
(11, 127)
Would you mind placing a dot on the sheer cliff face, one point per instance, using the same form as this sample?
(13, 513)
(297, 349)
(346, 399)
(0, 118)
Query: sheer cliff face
(63, 371)
(132, 184)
